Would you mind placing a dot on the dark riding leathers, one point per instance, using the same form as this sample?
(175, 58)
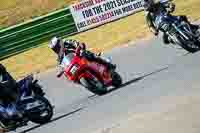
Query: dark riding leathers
(152, 10)
(8, 96)
(11, 93)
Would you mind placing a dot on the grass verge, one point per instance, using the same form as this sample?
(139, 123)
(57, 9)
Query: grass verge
(16, 11)
(99, 39)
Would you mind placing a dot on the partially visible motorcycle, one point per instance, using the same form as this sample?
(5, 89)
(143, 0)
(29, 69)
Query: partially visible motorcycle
(31, 105)
(92, 75)
(179, 32)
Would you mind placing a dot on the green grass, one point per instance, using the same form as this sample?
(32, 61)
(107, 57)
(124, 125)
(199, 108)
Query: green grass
(16, 11)
(99, 39)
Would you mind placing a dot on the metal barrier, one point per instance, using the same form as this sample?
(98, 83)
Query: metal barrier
(19, 38)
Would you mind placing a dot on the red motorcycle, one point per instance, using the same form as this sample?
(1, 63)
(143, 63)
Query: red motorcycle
(92, 75)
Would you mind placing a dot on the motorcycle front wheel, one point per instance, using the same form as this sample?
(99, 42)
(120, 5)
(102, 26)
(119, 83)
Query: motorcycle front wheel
(189, 46)
(94, 86)
(116, 79)
(45, 115)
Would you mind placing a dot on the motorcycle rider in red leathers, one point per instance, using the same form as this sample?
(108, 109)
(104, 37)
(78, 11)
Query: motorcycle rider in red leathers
(60, 47)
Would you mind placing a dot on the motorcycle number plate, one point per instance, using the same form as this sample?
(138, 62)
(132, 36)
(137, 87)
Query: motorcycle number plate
(73, 69)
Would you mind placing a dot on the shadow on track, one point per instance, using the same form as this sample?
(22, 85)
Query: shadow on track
(138, 79)
(54, 119)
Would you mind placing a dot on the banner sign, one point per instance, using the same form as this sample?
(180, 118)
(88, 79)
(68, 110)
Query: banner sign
(91, 13)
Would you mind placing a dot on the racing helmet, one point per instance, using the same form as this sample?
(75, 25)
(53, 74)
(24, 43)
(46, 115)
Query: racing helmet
(68, 43)
(71, 44)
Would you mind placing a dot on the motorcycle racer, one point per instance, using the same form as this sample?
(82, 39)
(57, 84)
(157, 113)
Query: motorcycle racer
(154, 9)
(60, 47)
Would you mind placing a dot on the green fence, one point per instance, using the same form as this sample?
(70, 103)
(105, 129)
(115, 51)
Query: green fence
(19, 38)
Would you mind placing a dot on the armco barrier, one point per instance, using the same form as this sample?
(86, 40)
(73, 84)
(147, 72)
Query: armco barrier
(19, 38)
(78, 17)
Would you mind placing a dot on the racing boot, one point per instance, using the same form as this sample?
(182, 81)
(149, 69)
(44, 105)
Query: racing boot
(165, 39)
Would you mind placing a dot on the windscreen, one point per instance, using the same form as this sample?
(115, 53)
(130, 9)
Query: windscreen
(67, 59)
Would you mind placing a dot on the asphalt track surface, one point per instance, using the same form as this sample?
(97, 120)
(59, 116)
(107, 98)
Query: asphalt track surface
(154, 76)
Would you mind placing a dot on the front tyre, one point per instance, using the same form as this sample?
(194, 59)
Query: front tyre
(187, 45)
(94, 86)
(45, 115)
